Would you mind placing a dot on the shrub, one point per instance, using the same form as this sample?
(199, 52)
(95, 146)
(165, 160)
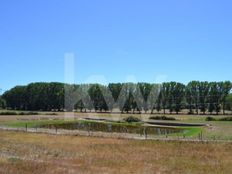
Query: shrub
(28, 113)
(210, 119)
(51, 114)
(162, 118)
(131, 119)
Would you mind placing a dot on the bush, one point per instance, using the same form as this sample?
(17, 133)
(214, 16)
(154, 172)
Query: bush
(28, 113)
(210, 119)
(131, 119)
(51, 114)
(162, 118)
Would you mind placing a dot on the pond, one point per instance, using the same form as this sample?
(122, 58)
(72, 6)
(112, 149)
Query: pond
(115, 127)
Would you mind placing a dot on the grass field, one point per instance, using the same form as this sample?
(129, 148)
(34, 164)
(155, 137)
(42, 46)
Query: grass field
(24, 153)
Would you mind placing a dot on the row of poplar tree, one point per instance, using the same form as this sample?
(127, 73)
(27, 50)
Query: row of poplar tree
(197, 97)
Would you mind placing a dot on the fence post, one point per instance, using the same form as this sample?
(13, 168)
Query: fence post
(26, 127)
(145, 132)
(166, 134)
(200, 136)
(109, 128)
(88, 128)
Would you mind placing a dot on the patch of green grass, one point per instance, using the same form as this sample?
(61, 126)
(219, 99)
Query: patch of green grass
(192, 131)
(187, 132)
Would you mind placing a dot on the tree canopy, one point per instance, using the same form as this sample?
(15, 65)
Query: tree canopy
(196, 96)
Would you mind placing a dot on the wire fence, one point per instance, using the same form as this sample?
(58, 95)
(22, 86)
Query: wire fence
(149, 133)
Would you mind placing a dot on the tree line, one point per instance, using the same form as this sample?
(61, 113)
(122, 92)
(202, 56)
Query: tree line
(196, 97)
(2, 103)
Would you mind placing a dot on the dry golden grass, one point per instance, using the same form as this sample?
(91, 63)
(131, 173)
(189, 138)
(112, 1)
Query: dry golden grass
(25, 153)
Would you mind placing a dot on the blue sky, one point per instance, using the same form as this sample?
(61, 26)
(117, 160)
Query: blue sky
(115, 40)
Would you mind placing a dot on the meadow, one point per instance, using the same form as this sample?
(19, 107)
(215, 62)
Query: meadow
(26, 153)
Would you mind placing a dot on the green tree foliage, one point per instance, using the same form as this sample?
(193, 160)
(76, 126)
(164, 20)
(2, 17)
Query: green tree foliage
(96, 92)
(36, 96)
(214, 98)
(228, 102)
(16, 98)
(127, 97)
(171, 96)
(178, 94)
(165, 96)
(145, 89)
(153, 100)
(192, 96)
(203, 89)
(2, 103)
(225, 88)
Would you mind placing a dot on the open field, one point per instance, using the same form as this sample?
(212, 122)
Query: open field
(23, 153)
(26, 153)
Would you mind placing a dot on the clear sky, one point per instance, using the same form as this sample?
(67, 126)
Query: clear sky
(115, 40)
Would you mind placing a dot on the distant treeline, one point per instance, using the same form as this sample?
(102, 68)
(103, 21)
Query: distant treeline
(197, 97)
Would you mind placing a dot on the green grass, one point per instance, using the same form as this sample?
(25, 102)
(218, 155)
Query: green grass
(188, 132)
(192, 131)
